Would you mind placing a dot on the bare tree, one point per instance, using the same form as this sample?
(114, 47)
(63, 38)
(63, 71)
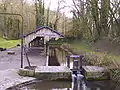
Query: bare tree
(59, 7)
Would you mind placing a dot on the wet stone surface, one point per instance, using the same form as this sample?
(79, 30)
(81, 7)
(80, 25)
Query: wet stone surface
(48, 73)
(10, 78)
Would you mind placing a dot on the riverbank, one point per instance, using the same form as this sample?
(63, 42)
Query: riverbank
(102, 47)
(92, 58)
(93, 53)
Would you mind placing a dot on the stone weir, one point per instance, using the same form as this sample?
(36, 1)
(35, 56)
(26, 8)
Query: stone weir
(48, 73)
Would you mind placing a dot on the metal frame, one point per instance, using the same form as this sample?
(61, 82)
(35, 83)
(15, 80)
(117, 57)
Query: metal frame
(21, 34)
(79, 57)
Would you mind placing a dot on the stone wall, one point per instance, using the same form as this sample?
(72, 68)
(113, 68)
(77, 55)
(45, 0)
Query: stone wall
(48, 73)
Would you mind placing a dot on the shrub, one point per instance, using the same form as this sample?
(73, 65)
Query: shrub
(97, 59)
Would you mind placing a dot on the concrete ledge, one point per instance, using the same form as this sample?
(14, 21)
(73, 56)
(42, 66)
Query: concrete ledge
(95, 73)
(26, 72)
(48, 73)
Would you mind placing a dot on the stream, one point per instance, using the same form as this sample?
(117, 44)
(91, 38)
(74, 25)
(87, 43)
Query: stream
(58, 57)
(76, 85)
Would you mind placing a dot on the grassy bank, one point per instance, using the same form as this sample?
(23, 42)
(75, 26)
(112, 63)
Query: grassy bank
(94, 57)
(8, 43)
(91, 57)
(81, 46)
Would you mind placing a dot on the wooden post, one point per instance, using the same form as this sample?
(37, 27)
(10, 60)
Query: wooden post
(22, 42)
(29, 45)
(22, 53)
(47, 60)
(68, 61)
(27, 57)
(80, 66)
(47, 56)
(44, 46)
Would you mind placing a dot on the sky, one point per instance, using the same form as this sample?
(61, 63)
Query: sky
(54, 5)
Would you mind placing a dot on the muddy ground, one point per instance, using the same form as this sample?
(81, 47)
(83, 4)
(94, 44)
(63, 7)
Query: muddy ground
(8, 61)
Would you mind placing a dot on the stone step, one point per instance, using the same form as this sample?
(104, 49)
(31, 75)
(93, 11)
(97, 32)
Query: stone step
(95, 73)
(48, 73)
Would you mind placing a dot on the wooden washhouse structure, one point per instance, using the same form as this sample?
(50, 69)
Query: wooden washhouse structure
(37, 38)
(40, 36)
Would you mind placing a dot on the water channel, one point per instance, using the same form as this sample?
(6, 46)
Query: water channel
(60, 85)
(59, 57)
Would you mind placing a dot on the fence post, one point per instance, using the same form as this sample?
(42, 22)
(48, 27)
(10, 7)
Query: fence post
(14, 14)
(68, 61)
(80, 67)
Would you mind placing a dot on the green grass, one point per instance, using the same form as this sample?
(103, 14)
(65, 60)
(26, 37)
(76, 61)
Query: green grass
(85, 47)
(81, 45)
(8, 43)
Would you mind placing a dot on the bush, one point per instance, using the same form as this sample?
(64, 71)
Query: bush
(97, 59)
(93, 58)
(115, 74)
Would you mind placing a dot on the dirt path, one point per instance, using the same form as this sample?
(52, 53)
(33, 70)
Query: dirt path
(13, 61)
(37, 57)
(9, 65)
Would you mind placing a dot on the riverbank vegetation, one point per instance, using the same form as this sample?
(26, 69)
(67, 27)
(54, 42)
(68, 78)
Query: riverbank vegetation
(96, 22)
(93, 56)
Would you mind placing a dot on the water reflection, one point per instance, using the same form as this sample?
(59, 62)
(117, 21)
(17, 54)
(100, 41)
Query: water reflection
(49, 85)
(76, 85)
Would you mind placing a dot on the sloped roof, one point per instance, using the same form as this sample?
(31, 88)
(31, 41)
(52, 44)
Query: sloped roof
(40, 28)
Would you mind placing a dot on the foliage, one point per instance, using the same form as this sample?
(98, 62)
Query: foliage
(10, 26)
(91, 57)
(97, 59)
(39, 5)
(8, 43)
(34, 14)
(115, 74)
(93, 19)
